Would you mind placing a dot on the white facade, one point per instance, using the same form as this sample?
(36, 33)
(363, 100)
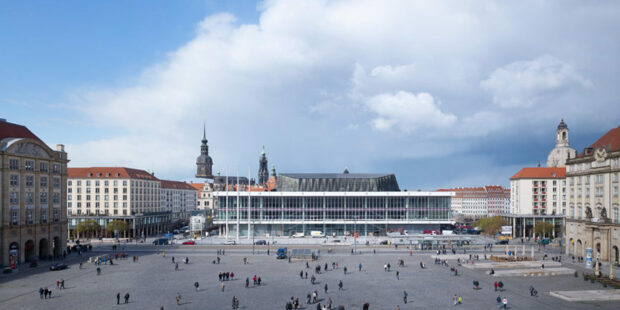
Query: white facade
(538, 191)
(479, 202)
(177, 197)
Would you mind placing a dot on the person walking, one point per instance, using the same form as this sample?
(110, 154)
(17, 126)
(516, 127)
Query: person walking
(247, 282)
(499, 301)
(345, 269)
(196, 285)
(366, 306)
(505, 303)
(397, 275)
(495, 285)
(340, 285)
(325, 288)
(127, 297)
(176, 267)
(178, 299)
(360, 267)
(223, 286)
(454, 299)
(118, 298)
(405, 296)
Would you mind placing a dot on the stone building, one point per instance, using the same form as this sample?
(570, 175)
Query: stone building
(593, 205)
(562, 151)
(33, 222)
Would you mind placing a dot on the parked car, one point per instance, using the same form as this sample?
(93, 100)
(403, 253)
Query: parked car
(189, 242)
(58, 266)
(503, 241)
(383, 242)
(336, 240)
(231, 242)
(160, 241)
(260, 242)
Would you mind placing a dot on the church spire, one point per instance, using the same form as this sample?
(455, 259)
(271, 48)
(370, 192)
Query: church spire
(204, 163)
(204, 133)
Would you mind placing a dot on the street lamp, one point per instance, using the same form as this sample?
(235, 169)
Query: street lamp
(253, 243)
(355, 234)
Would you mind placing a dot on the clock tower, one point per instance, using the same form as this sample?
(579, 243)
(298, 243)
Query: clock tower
(562, 151)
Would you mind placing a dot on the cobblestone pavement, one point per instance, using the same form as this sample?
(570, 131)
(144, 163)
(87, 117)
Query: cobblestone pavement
(153, 282)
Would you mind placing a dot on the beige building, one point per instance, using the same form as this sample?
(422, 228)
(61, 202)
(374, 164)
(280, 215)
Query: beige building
(105, 194)
(593, 205)
(33, 221)
(178, 197)
(479, 202)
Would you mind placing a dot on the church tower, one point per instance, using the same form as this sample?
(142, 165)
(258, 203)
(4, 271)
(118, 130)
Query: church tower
(562, 151)
(204, 163)
(263, 172)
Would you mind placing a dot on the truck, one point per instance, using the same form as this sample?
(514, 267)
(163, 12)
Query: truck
(281, 253)
(317, 234)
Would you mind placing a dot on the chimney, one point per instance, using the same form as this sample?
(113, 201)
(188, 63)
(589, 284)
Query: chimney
(60, 147)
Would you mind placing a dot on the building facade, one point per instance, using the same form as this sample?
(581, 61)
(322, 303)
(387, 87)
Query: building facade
(593, 207)
(331, 213)
(538, 191)
(179, 198)
(105, 194)
(479, 202)
(33, 222)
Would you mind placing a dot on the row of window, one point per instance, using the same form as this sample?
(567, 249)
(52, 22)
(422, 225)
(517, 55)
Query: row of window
(105, 197)
(29, 181)
(29, 198)
(29, 165)
(30, 218)
(115, 182)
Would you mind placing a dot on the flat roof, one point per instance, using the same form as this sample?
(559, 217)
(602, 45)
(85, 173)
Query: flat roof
(337, 194)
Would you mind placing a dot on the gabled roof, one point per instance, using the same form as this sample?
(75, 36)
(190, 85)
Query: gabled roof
(10, 130)
(610, 140)
(540, 173)
(175, 185)
(109, 173)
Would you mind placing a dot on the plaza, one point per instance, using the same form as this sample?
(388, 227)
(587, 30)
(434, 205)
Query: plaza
(152, 281)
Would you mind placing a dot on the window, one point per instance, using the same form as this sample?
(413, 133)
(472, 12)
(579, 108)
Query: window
(79, 197)
(79, 183)
(96, 182)
(124, 182)
(14, 198)
(43, 167)
(29, 216)
(124, 205)
(14, 164)
(115, 183)
(88, 190)
(29, 198)
(616, 191)
(56, 214)
(56, 182)
(56, 198)
(87, 182)
(79, 190)
(15, 217)
(88, 197)
(69, 182)
(68, 197)
(43, 198)
(29, 165)
(14, 180)
(616, 215)
(43, 215)
(115, 212)
(56, 168)
(29, 181)
(599, 178)
(106, 183)
(43, 182)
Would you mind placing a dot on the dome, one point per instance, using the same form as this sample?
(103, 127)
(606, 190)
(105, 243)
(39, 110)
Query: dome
(562, 125)
(204, 159)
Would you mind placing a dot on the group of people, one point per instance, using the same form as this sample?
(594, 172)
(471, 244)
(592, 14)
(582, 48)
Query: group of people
(118, 298)
(45, 293)
(498, 285)
(60, 284)
(225, 276)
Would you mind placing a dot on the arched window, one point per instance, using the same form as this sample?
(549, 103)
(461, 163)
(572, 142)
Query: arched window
(564, 135)
(579, 212)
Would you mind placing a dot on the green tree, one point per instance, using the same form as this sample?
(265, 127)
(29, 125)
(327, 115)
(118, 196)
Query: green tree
(491, 225)
(543, 229)
(88, 228)
(119, 225)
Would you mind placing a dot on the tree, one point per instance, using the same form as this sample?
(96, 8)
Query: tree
(117, 225)
(88, 227)
(543, 229)
(491, 225)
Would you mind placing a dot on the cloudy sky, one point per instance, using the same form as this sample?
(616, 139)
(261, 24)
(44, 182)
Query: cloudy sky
(459, 93)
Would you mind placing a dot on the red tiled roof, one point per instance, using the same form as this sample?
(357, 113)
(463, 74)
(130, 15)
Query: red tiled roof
(109, 173)
(540, 173)
(10, 130)
(175, 185)
(610, 140)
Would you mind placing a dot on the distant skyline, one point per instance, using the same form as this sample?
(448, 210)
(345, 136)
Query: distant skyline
(442, 94)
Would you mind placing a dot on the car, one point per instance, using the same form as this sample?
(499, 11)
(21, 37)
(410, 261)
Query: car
(281, 253)
(502, 242)
(260, 242)
(336, 240)
(189, 242)
(58, 266)
(160, 241)
(230, 242)
(383, 242)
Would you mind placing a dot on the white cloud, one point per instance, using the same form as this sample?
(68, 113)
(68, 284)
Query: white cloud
(408, 112)
(308, 75)
(524, 83)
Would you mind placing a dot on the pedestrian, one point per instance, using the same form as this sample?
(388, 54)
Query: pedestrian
(329, 303)
(118, 298)
(178, 298)
(460, 300)
(127, 297)
(259, 281)
(454, 299)
(495, 285)
(325, 288)
(499, 301)
(345, 269)
(505, 302)
(366, 306)
(405, 295)
(254, 279)
(247, 282)
(176, 267)
(340, 285)
(62, 284)
(223, 286)
(397, 275)
(41, 292)
(360, 267)
(196, 285)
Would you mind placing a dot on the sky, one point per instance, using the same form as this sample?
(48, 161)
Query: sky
(440, 93)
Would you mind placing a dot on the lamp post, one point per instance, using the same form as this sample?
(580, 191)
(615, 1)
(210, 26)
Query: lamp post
(253, 243)
(355, 234)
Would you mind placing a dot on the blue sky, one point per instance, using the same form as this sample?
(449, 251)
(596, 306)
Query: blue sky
(440, 93)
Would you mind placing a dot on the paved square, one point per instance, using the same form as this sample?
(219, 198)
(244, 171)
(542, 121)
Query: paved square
(152, 282)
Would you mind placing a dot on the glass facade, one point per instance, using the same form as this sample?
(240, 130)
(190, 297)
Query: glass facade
(296, 207)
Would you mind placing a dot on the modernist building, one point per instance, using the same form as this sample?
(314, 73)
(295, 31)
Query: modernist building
(33, 220)
(339, 213)
(593, 211)
(105, 194)
(479, 202)
(342, 182)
